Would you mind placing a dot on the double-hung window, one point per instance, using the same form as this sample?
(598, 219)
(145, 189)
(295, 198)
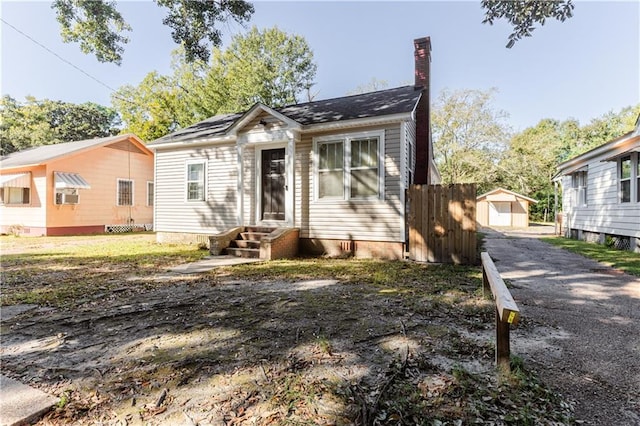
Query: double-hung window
(15, 189)
(331, 169)
(349, 167)
(579, 184)
(638, 177)
(10, 195)
(125, 192)
(625, 179)
(150, 193)
(195, 181)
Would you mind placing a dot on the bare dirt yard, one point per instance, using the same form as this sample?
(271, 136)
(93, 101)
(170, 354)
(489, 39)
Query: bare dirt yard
(120, 340)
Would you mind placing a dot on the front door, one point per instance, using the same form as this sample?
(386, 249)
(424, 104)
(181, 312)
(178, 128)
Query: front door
(273, 184)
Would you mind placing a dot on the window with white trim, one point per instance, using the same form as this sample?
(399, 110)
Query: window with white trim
(10, 195)
(124, 196)
(150, 193)
(195, 181)
(349, 167)
(579, 185)
(625, 179)
(638, 177)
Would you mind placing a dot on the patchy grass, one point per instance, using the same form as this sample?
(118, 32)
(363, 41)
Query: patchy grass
(63, 271)
(305, 341)
(620, 259)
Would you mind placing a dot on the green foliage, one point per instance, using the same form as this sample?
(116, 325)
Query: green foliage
(532, 157)
(523, 15)
(603, 129)
(194, 22)
(98, 26)
(44, 122)
(268, 66)
(469, 135)
(95, 24)
(621, 259)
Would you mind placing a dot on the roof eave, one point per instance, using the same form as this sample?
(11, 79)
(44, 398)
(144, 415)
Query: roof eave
(515, 194)
(194, 142)
(575, 163)
(254, 111)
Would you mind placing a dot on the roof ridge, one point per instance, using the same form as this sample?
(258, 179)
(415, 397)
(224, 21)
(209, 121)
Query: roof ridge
(344, 97)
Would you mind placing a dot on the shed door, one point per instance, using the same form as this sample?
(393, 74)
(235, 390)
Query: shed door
(499, 213)
(273, 184)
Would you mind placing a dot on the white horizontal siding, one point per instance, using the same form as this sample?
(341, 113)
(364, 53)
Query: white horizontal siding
(218, 212)
(249, 184)
(603, 212)
(375, 220)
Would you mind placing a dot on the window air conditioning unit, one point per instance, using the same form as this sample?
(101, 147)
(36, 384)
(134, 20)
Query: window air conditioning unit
(67, 197)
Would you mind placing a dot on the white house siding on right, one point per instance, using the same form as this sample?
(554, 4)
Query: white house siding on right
(173, 213)
(603, 212)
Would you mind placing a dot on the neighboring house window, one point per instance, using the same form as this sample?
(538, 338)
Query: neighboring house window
(67, 196)
(125, 192)
(579, 184)
(195, 181)
(150, 193)
(625, 179)
(349, 166)
(10, 195)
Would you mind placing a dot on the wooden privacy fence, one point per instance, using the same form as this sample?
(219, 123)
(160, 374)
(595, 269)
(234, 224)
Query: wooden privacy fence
(442, 223)
(507, 312)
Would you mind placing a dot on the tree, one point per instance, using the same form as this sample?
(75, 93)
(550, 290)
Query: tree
(523, 15)
(605, 128)
(267, 66)
(530, 162)
(372, 86)
(45, 122)
(469, 135)
(98, 26)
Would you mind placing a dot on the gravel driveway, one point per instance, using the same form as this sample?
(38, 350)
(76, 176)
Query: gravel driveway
(581, 327)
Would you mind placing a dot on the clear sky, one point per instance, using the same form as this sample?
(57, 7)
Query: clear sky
(581, 68)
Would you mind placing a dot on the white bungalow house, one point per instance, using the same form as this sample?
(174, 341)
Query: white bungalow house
(601, 193)
(327, 176)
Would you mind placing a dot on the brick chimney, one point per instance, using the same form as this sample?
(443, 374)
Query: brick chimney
(422, 57)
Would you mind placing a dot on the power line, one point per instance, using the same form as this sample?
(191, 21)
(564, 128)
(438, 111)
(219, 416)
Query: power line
(58, 56)
(114, 91)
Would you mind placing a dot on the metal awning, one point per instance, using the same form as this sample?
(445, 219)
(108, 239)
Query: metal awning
(70, 180)
(16, 180)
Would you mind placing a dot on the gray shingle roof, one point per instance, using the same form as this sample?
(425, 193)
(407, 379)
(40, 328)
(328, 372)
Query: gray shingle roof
(366, 105)
(42, 154)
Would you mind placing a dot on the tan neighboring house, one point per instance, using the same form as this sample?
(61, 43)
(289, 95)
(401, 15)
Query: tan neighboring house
(83, 187)
(331, 174)
(503, 208)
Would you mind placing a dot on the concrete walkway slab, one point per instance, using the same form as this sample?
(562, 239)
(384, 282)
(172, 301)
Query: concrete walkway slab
(22, 404)
(212, 262)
